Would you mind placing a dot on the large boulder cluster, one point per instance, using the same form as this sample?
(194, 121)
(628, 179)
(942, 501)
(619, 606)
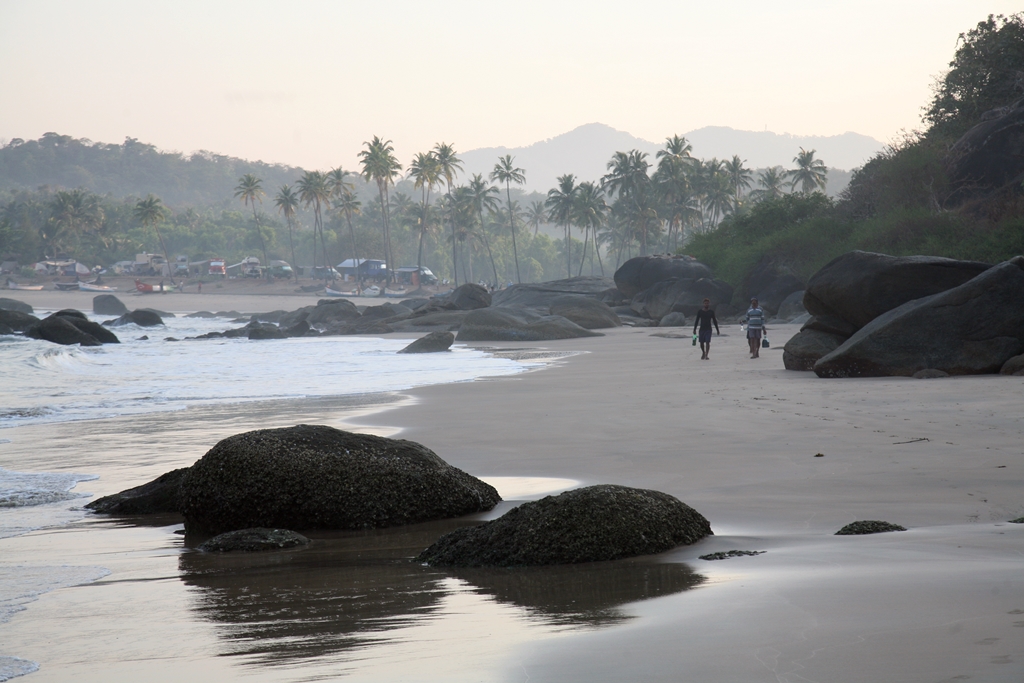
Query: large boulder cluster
(876, 315)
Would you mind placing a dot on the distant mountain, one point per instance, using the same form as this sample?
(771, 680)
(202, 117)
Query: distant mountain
(585, 151)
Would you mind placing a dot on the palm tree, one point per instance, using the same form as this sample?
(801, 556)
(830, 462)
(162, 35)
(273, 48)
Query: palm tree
(481, 196)
(561, 203)
(739, 178)
(381, 166)
(505, 172)
(250, 191)
(340, 188)
(425, 170)
(72, 212)
(536, 215)
(150, 211)
(770, 182)
(673, 185)
(348, 204)
(809, 173)
(627, 179)
(589, 214)
(314, 189)
(449, 165)
(287, 202)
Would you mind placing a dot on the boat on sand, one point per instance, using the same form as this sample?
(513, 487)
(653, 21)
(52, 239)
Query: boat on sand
(11, 284)
(146, 288)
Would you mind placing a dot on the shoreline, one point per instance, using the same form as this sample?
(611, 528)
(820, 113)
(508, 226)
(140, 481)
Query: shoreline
(733, 437)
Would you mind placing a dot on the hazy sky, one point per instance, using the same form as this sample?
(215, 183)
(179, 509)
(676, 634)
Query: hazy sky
(306, 83)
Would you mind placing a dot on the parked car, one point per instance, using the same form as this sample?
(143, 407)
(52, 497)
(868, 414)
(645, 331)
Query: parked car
(324, 273)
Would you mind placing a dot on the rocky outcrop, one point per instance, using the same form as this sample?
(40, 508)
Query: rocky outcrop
(971, 329)
(770, 283)
(15, 305)
(590, 524)
(434, 342)
(807, 347)
(673, 319)
(108, 304)
(469, 297)
(140, 317)
(586, 312)
(540, 295)
(443, 320)
(71, 327)
(317, 477)
(989, 156)
(643, 272)
(859, 286)
(17, 320)
(387, 310)
(254, 540)
(518, 324)
(682, 296)
(158, 496)
(6, 330)
(266, 331)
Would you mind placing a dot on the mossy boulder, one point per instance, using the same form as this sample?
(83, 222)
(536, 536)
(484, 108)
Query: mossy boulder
(318, 477)
(590, 524)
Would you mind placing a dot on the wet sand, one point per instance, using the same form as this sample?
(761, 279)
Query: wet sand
(733, 437)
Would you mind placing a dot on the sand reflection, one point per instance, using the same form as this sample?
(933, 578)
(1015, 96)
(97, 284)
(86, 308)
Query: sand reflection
(351, 593)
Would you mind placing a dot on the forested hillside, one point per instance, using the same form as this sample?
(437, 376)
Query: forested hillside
(131, 169)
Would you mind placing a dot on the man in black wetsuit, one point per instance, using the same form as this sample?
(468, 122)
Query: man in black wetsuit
(705, 318)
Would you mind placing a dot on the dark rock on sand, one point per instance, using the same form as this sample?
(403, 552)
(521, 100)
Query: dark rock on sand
(771, 282)
(859, 286)
(971, 329)
(6, 330)
(469, 297)
(254, 540)
(830, 324)
(140, 317)
(317, 477)
(518, 324)
(588, 313)
(1013, 366)
(17, 320)
(807, 347)
(266, 331)
(869, 526)
(930, 373)
(583, 525)
(989, 156)
(539, 295)
(158, 496)
(432, 343)
(15, 305)
(792, 306)
(643, 272)
(673, 319)
(108, 304)
(731, 553)
(682, 296)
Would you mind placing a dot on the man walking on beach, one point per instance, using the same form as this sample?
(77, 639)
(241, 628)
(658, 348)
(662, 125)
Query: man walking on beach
(705, 317)
(755, 326)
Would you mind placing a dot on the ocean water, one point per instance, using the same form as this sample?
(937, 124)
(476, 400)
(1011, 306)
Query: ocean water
(43, 382)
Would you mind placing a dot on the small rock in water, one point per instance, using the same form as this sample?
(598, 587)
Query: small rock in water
(171, 339)
(819, 455)
(868, 526)
(144, 337)
(435, 342)
(254, 540)
(731, 553)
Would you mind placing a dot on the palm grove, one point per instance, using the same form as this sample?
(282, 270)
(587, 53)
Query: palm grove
(428, 213)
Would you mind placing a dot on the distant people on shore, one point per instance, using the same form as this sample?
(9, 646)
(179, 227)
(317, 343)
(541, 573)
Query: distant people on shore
(705, 318)
(755, 328)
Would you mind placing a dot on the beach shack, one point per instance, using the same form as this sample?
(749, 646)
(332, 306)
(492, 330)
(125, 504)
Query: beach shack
(364, 269)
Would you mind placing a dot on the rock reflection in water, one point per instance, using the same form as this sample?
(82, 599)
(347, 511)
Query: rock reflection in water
(347, 591)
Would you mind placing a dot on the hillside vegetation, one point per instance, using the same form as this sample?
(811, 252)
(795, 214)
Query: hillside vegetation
(902, 201)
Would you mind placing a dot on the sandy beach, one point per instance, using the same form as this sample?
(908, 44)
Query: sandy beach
(735, 438)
